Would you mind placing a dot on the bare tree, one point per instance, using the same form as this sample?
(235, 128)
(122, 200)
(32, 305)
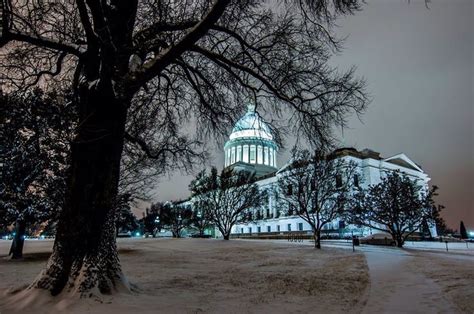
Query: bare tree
(228, 198)
(397, 205)
(317, 188)
(171, 62)
(175, 217)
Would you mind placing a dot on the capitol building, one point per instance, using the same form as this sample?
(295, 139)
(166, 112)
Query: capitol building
(251, 147)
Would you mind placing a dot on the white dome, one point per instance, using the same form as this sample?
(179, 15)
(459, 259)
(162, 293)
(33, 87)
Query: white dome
(251, 125)
(251, 142)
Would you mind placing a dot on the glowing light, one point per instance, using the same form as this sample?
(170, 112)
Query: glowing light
(137, 234)
(251, 133)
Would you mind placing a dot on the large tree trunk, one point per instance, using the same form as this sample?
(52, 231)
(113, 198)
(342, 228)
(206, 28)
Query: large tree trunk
(226, 234)
(84, 258)
(317, 239)
(16, 250)
(399, 240)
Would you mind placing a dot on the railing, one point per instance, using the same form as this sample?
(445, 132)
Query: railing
(282, 235)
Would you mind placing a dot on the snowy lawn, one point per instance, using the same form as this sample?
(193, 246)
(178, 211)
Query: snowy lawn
(206, 275)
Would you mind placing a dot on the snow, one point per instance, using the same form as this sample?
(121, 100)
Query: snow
(207, 275)
(203, 275)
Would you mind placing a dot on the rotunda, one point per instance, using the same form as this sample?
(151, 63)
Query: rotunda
(251, 142)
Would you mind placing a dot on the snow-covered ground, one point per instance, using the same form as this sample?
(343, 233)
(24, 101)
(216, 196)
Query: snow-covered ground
(421, 278)
(260, 276)
(453, 247)
(209, 276)
(464, 247)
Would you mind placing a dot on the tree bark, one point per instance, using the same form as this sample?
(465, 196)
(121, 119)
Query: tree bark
(226, 236)
(399, 241)
(84, 257)
(16, 249)
(317, 239)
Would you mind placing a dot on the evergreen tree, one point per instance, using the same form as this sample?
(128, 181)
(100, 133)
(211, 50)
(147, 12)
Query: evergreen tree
(126, 220)
(462, 230)
(441, 227)
(35, 134)
(153, 219)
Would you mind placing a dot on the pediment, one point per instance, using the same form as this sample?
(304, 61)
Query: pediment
(403, 161)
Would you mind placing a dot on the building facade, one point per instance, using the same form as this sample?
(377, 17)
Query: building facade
(251, 147)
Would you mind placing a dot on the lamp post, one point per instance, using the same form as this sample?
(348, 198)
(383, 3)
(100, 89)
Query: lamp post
(178, 227)
(201, 227)
(157, 223)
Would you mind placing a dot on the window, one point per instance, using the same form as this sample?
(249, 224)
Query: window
(259, 229)
(250, 229)
(259, 155)
(265, 156)
(356, 180)
(239, 154)
(228, 156)
(269, 229)
(278, 228)
(289, 227)
(300, 226)
(232, 156)
(241, 230)
(245, 153)
(338, 180)
(274, 159)
(252, 153)
(271, 157)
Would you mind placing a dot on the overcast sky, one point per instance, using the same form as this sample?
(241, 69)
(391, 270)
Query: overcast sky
(418, 64)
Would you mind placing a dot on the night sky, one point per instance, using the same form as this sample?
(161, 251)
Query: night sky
(418, 64)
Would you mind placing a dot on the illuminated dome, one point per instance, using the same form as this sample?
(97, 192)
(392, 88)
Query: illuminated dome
(251, 125)
(251, 142)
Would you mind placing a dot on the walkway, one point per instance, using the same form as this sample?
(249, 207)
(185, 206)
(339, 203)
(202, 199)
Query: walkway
(395, 285)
